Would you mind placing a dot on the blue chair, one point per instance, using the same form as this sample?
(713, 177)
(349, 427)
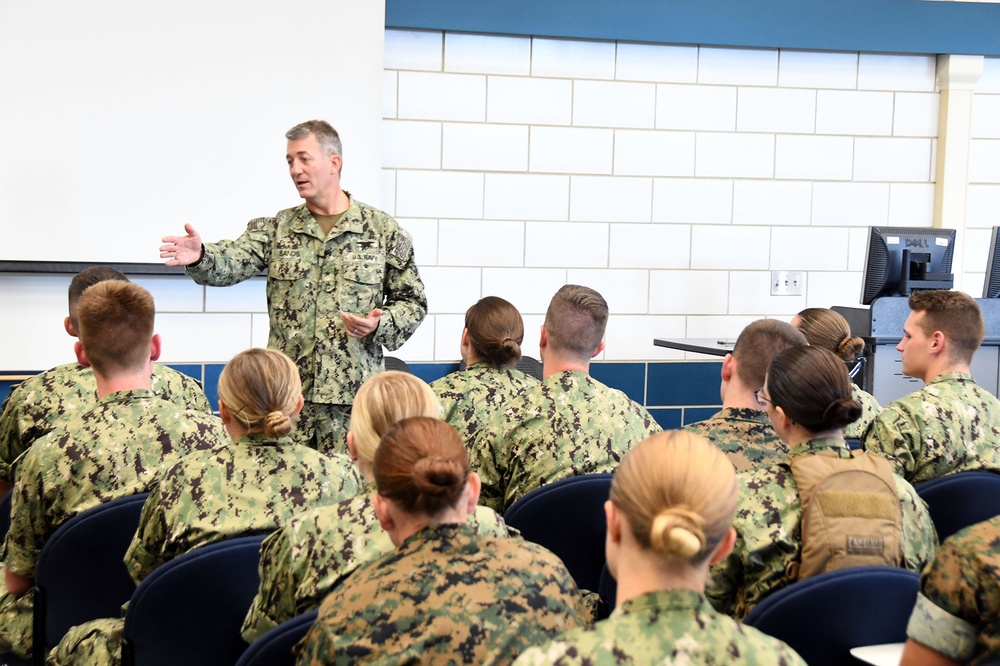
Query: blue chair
(275, 647)
(962, 499)
(823, 617)
(189, 611)
(80, 575)
(567, 517)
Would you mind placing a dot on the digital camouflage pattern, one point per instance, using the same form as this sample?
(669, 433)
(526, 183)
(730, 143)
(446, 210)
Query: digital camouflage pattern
(568, 424)
(41, 402)
(471, 397)
(664, 627)
(745, 435)
(365, 263)
(950, 425)
(117, 448)
(248, 486)
(768, 532)
(958, 609)
(869, 410)
(251, 485)
(446, 596)
(313, 553)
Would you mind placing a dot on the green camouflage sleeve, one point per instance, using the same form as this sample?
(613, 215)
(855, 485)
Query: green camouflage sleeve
(919, 536)
(145, 553)
(487, 461)
(722, 589)
(405, 302)
(893, 436)
(30, 527)
(230, 261)
(275, 601)
(176, 387)
(10, 440)
(932, 626)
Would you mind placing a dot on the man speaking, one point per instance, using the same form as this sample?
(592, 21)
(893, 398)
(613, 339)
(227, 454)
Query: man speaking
(341, 281)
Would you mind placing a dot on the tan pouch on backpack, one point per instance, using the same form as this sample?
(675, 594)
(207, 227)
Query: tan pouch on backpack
(851, 515)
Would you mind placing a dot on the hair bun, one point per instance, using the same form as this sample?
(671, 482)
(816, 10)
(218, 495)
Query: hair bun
(438, 477)
(850, 347)
(843, 411)
(277, 424)
(676, 531)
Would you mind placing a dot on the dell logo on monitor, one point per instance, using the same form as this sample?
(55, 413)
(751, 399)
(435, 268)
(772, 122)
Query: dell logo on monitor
(917, 242)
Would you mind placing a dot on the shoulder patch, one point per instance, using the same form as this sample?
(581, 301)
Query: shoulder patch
(259, 223)
(402, 246)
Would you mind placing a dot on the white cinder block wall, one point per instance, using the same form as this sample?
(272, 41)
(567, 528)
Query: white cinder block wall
(672, 179)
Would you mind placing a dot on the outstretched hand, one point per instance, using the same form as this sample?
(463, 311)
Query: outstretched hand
(182, 250)
(359, 327)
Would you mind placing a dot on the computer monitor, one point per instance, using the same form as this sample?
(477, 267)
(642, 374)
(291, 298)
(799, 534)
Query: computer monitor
(901, 260)
(991, 286)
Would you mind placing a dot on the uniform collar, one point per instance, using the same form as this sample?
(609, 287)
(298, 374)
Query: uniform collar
(836, 445)
(303, 221)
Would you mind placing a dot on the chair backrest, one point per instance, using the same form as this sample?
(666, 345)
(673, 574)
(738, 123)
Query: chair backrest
(962, 499)
(5, 514)
(80, 574)
(531, 367)
(567, 517)
(189, 610)
(823, 617)
(393, 363)
(275, 647)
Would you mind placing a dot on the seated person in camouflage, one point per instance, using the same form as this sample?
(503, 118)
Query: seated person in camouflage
(829, 330)
(112, 449)
(308, 558)
(808, 398)
(957, 616)
(446, 595)
(950, 425)
(570, 423)
(742, 429)
(669, 517)
(39, 404)
(491, 347)
(255, 482)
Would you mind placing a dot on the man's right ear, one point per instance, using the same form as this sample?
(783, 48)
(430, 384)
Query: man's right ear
(728, 367)
(81, 354)
(68, 325)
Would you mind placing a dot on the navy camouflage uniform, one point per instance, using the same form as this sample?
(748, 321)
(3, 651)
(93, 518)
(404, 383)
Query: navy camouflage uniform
(365, 263)
(115, 449)
(305, 560)
(446, 596)
(567, 425)
(958, 609)
(42, 402)
(869, 410)
(745, 435)
(252, 485)
(768, 527)
(950, 425)
(472, 397)
(664, 627)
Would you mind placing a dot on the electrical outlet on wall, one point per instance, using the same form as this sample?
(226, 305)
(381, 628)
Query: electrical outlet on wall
(786, 283)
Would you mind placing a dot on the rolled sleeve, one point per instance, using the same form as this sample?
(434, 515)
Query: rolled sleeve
(941, 631)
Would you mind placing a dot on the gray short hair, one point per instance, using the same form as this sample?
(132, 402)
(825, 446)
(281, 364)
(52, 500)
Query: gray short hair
(326, 136)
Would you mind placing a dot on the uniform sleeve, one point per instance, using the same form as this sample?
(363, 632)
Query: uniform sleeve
(11, 445)
(275, 600)
(405, 302)
(230, 261)
(30, 526)
(724, 579)
(919, 536)
(894, 436)
(147, 550)
(484, 460)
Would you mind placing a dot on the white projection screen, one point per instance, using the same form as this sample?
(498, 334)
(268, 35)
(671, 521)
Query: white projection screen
(120, 121)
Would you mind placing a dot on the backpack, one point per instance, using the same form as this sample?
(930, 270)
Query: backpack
(851, 514)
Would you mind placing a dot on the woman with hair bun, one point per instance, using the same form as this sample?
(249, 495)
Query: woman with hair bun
(446, 595)
(807, 393)
(669, 518)
(491, 347)
(315, 551)
(827, 329)
(255, 483)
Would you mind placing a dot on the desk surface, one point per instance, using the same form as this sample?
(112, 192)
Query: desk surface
(710, 346)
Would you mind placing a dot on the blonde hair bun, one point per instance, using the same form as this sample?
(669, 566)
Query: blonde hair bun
(677, 532)
(277, 424)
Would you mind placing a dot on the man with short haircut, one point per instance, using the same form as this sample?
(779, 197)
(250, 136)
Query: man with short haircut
(952, 424)
(742, 429)
(570, 423)
(114, 449)
(342, 282)
(40, 403)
